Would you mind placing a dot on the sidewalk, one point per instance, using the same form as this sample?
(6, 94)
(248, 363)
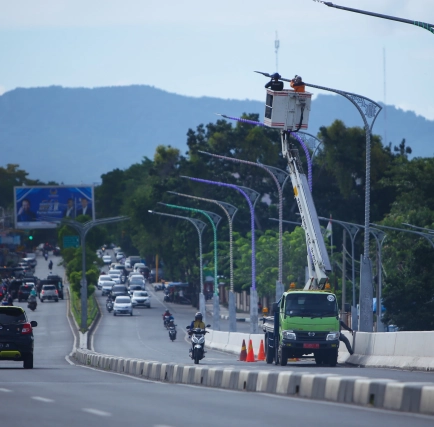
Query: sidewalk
(224, 312)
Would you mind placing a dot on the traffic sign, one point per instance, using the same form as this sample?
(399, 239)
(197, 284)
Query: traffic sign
(71, 241)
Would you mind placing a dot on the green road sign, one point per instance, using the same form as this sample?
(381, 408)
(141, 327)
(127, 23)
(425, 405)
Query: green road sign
(71, 241)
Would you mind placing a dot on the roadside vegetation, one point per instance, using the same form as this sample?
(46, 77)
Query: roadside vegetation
(402, 191)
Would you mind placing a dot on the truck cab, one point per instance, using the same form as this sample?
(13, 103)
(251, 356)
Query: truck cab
(305, 322)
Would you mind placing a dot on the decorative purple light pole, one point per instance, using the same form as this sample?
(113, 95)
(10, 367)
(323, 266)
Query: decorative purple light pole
(253, 293)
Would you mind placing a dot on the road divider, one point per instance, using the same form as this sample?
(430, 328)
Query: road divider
(378, 393)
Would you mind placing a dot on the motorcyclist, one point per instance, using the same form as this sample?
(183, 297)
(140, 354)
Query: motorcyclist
(197, 322)
(167, 315)
(50, 265)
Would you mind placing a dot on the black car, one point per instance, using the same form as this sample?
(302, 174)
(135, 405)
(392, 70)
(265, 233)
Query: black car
(119, 290)
(24, 291)
(16, 336)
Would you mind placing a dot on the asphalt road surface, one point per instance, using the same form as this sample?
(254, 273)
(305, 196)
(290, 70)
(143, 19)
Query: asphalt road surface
(58, 393)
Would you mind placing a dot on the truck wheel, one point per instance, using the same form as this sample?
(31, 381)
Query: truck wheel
(283, 357)
(319, 359)
(333, 358)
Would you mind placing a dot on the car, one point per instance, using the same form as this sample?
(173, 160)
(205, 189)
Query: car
(127, 263)
(120, 255)
(107, 259)
(134, 288)
(153, 275)
(107, 287)
(50, 293)
(55, 280)
(101, 279)
(117, 249)
(119, 290)
(136, 276)
(138, 265)
(16, 336)
(24, 291)
(134, 259)
(56, 251)
(137, 282)
(141, 299)
(123, 305)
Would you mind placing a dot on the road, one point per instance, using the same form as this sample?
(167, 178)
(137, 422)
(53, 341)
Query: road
(144, 337)
(57, 392)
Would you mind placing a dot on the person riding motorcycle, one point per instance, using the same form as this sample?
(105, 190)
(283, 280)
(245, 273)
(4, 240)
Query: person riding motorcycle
(32, 296)
(166, 313)
(197, 322)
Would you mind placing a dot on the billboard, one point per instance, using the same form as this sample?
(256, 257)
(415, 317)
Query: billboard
(44, 206)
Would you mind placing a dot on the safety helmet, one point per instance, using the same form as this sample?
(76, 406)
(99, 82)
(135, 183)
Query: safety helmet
(275, 76)
(167, 311)
(198, 316)
(298, 79)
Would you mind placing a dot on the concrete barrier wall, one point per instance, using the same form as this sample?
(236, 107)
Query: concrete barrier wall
(386, 394)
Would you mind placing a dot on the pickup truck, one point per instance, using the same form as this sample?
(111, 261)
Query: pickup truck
(304, 322)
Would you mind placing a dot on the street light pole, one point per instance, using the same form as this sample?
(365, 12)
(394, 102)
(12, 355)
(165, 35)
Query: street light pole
(251, 197)
(214, 219)
(279, 177)
(199, 226)
(230, 211)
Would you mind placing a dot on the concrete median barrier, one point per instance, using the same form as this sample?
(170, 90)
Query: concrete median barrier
(379, 393)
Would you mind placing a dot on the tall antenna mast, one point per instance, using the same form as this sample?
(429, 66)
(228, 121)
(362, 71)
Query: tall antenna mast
(276, 49)
(384, 96)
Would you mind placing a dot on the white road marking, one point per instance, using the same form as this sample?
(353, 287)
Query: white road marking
(5, 390)
(42, 399)
(96, 412)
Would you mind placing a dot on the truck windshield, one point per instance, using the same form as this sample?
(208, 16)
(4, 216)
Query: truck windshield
(311, 305)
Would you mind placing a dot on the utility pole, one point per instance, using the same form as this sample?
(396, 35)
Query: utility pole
(276, 50)
(344, 270)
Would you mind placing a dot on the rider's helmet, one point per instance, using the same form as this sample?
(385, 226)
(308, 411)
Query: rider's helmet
(198, 316)
(167, 312)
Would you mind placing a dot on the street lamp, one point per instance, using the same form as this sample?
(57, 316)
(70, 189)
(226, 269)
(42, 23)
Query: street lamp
(279, 177)
(424, 25)
(214, 219)
(199, 226)
(251, 197)
(230, 211)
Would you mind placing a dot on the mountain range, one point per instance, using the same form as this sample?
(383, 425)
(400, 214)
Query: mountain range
(74, 135)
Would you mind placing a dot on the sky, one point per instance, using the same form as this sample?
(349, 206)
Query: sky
(200, 48)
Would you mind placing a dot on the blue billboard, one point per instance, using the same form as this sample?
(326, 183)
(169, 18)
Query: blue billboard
(45, 206)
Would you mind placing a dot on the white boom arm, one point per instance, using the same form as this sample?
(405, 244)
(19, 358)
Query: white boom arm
(317, 257)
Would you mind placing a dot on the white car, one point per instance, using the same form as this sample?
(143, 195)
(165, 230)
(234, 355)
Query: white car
(120, 255)
(107, 259)
(122, 305)
(107, 288)
(101, 279)
(138, 265)
(141, 299)
(127, 263)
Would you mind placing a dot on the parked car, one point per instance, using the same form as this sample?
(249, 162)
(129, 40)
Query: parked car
(141, 299)
(107, 287)
(49, 293)
(107, 259)
(123, 305)
(16, 336)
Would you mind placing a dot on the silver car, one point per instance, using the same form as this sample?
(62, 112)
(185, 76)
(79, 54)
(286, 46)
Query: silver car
(141, 299)
(50, 293)
(122, 305)
(107, 288)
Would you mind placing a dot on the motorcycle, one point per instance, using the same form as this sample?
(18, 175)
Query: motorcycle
(32, 303)
(197, 350)
(109, 305)
(172, 331)
(166, 321)
(166, 298)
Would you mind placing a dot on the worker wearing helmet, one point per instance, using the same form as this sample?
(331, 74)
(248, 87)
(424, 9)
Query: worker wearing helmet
(297, 84)
(275, 83)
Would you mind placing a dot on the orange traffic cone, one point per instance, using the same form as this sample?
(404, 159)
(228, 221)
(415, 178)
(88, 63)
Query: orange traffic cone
(243, 354)
(261, 354)
(250, 354)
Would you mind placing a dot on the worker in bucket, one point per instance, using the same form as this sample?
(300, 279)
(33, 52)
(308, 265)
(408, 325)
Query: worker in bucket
(275, 83)
(297, 84)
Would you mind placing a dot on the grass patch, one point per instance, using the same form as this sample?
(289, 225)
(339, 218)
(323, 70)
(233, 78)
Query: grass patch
(92, 308)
